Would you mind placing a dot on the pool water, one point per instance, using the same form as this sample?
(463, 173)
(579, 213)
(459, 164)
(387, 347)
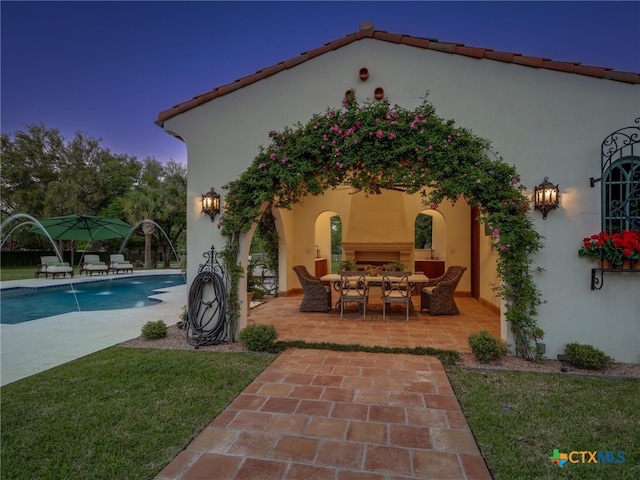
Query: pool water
(19, 305)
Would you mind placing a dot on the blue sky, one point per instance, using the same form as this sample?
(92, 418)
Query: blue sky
(108, 68)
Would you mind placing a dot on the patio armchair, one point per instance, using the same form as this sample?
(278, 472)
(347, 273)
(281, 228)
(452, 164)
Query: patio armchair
(353, 289)
(317, 295)
(51, 265)
(396, 289)
(437, 294)
(92, 264)
(119, 264)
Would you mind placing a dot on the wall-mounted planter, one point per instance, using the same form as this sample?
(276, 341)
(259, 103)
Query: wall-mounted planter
(363, 74)
(378, 93)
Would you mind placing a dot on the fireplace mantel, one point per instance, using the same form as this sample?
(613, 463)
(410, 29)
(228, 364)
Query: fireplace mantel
(379, 252)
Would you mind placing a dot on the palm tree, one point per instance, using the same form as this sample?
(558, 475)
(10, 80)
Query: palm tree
(142, 204)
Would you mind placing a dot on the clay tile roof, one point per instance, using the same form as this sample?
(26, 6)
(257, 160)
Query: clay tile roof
(367, 30)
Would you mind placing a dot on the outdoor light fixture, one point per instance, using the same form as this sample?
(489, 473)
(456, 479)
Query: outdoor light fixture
(546, 197)
(211, 203)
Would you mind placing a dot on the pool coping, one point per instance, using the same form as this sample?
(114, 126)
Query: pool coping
(66, 337)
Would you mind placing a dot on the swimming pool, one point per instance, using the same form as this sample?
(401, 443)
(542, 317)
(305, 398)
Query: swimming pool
(18, 305)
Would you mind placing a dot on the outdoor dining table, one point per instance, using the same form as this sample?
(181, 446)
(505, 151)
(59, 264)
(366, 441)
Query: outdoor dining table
(415, 280)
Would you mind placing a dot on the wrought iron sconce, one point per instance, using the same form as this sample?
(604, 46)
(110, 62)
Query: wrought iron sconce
(546, 197)
(211, 203)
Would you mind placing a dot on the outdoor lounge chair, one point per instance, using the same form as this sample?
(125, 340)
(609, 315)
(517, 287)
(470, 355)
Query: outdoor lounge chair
(317, 295)
(437, 293)
(119, 264)
(92, 264)
(51, 265)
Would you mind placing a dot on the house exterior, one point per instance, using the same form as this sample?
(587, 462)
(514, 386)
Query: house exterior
(547, 118)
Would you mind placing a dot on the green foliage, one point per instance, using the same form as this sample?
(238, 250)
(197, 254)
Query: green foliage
(349, 265)
(587, 356)
(394, 266)
(486, 347)
(447, 357)
(259, 338)
(424, 231)
(376, 145)
(154, 330)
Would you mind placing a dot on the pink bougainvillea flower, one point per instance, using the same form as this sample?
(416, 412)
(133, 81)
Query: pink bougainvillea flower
(478, 181)
(355, 142)
(434, 206)
(272, 156)
(379, 134)
(392, 136)
(285, 159)
(495, 232)
(272, 133)
(262, 165)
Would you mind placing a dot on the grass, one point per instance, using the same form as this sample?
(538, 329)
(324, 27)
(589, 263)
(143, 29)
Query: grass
(119, 413)
(17, 273)
(519, 418)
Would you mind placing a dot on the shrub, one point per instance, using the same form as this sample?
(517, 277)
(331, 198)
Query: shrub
(587, 356)
(259, 338)
(154, 330)
(486, 347)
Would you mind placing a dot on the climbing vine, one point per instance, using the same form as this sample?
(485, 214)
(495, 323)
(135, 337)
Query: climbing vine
(374, 146)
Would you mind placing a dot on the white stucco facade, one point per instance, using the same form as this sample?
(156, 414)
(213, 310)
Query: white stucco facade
(547, 123)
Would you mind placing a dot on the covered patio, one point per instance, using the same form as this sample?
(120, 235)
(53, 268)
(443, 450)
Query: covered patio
(448, 332)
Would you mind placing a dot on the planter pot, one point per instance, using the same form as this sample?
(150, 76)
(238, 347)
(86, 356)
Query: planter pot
(604, 264)
(364, 74)
(626, 264)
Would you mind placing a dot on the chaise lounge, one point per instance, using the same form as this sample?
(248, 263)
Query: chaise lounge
(92, 264)
(119, 264)
(51, 265)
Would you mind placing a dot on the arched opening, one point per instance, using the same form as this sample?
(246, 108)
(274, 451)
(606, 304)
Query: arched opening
(378, 148)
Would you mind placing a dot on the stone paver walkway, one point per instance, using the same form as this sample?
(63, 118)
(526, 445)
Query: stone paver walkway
(317, 414)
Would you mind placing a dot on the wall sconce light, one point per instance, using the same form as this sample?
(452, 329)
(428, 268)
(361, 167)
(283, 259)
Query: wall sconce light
(546, 197)
(317, 251)
(211, 203)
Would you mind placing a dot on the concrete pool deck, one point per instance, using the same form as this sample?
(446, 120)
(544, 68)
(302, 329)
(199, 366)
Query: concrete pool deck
(37, 345)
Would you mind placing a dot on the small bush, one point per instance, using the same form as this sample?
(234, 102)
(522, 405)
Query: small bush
(154, 330)
(587, 356)
(259, 338)
(486, 347)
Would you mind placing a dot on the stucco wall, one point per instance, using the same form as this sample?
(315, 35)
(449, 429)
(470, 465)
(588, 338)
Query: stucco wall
(547, 123)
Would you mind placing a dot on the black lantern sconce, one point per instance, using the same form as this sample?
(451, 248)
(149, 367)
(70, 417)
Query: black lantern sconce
(211, 203)
(546, 197)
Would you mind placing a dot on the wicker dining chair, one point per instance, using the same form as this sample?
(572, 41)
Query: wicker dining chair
(317, 295)
(437, 294)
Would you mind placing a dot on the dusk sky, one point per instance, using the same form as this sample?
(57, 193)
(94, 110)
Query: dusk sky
(108, 68)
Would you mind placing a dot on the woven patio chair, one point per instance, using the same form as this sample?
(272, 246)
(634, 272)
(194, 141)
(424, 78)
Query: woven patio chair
(317, 295)
(437, 294)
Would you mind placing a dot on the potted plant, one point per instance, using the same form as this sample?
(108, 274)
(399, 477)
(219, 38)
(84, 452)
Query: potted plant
(349, 265)
(394, 267)
(613, 249)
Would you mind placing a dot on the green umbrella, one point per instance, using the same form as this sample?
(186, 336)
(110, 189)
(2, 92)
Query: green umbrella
(82, 227)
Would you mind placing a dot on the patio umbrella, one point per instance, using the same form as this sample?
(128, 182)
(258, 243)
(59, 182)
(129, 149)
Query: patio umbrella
(82, 227)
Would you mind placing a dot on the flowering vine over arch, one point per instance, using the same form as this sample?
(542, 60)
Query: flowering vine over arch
(376, 145)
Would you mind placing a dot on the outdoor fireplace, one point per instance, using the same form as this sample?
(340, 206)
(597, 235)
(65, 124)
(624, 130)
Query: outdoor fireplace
(379, 253)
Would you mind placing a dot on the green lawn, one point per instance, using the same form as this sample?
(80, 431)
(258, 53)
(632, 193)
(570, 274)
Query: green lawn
(17, 273)
(119, 413)
(126, 413)
(519, 418)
